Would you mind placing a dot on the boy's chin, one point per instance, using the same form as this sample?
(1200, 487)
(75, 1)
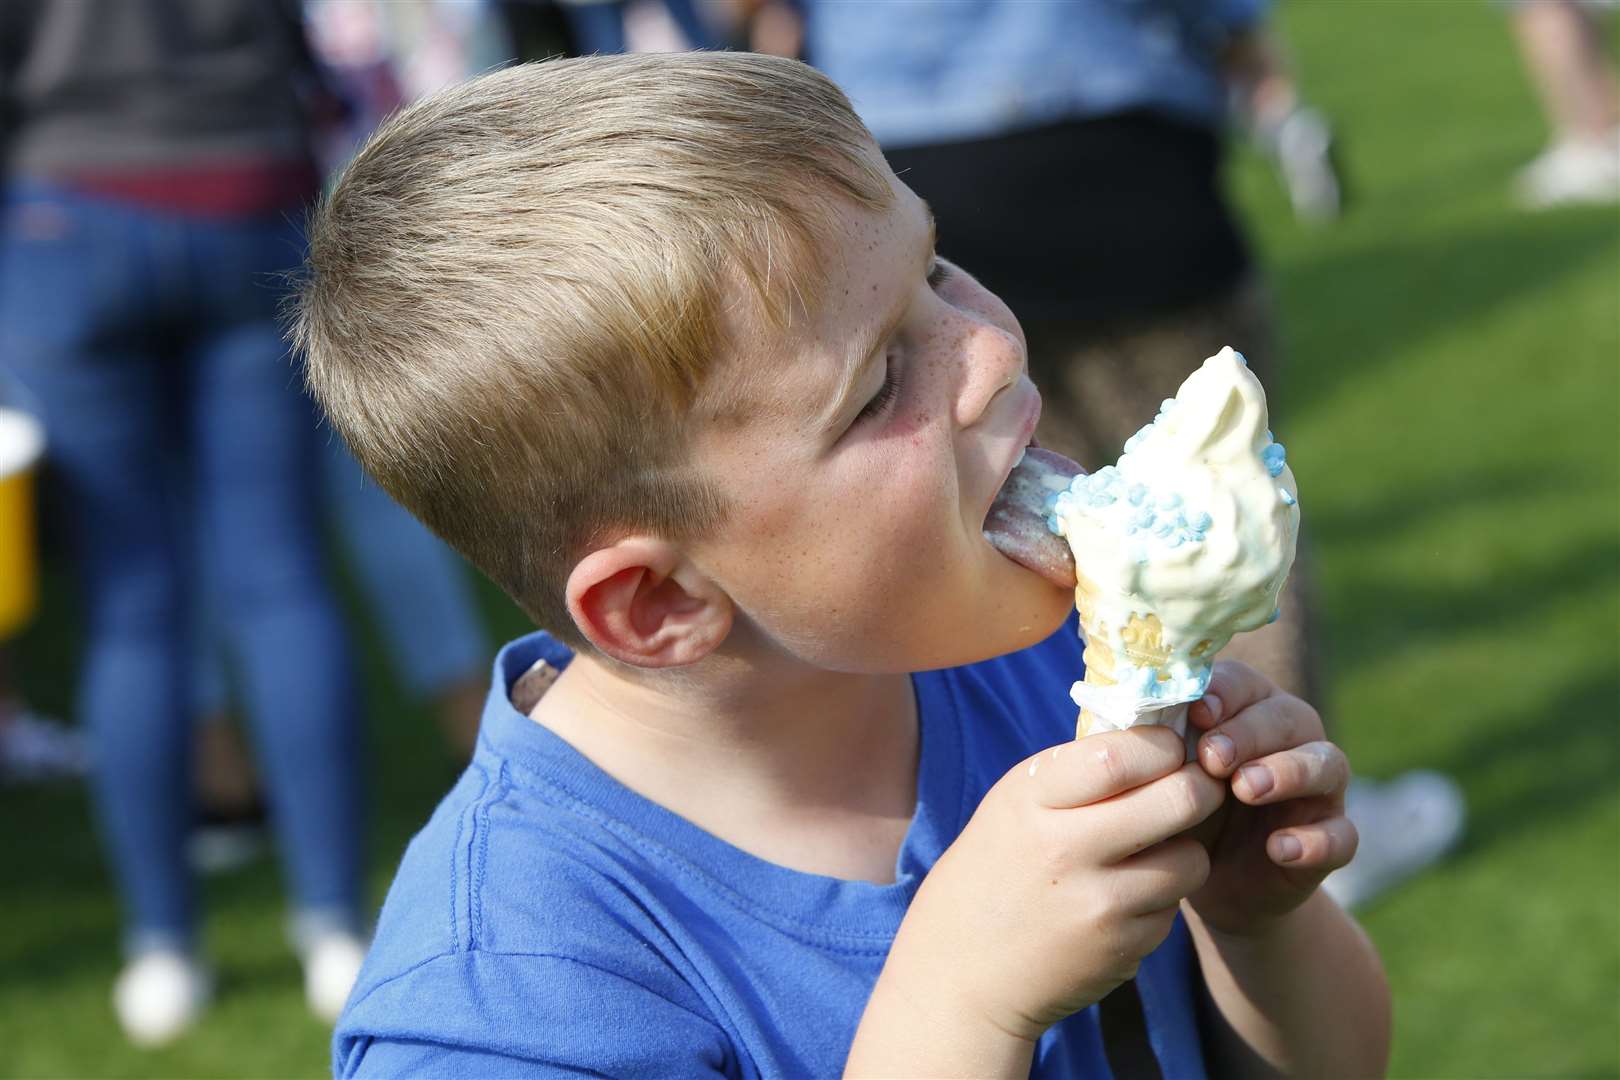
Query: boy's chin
(1018, 625)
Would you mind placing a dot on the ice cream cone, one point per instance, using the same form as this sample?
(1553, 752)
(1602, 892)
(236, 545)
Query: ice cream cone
(1142, 643)
(1098, 655)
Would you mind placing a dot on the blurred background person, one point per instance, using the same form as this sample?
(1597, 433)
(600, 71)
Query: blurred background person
(372, 56)
(608, 26)
(1573, 76)
(157, 160)
(1072, 156)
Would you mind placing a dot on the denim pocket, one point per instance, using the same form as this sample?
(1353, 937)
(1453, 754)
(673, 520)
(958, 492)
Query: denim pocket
(68, 272)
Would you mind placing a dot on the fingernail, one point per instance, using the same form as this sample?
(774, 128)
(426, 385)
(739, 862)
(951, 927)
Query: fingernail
(1257, 778)
(1213, 704)
(1288, 849)
(1222, 748)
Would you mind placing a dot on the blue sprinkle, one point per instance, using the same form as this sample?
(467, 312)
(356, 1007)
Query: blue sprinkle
(1276, 614)
(1143, 518)
(1174, 541)
(1287, 497)
(1053, 526)
(1049, 503)
(1103, 500)
(1241, 358)
(1130, 530)
(1269, 438)
(1274, 457)
(1202, 522)
(1170, 501)
(1163, 528)
(1136, 494)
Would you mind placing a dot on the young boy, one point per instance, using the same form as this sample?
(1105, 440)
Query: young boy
(662, 345)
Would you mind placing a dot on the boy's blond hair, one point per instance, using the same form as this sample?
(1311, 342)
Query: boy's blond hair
(518, 290)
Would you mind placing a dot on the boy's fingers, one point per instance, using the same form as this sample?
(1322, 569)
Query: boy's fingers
(1323, 846)
(1273, 724)
(1316, 769)
(1160, 876)
(1235, 686)
(1100, 766)
(1154, 812)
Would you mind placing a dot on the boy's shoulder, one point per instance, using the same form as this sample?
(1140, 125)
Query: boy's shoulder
(509, 911)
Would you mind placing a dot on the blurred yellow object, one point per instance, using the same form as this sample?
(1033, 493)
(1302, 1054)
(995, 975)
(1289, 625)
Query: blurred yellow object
(22, 441)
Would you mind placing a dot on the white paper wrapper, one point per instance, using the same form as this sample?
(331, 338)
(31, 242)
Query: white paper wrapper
(1115, 708)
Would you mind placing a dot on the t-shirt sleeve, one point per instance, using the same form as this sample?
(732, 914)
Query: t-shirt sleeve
(477, 1013)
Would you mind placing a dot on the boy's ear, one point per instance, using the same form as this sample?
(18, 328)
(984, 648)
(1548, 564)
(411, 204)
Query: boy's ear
(640, 602)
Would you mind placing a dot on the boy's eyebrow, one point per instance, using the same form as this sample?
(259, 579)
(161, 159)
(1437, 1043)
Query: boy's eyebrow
(859, 360)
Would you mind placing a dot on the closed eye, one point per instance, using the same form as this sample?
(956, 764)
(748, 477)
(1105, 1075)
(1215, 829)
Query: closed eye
(939, 271)
(886, 393)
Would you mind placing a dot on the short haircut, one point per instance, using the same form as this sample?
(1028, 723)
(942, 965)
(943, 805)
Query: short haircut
(519, 288)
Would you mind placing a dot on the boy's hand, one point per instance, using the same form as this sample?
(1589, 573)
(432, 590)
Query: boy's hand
(1069, 873)
(1286, 831)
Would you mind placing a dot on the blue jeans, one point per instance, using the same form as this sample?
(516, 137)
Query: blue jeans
(416, 586)
(150, 339)
(599, 27)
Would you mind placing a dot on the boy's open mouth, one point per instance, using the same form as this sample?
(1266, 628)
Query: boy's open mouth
(1016, 525)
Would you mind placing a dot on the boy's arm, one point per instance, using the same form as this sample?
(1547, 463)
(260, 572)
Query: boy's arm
(1304, 997)
(911, 1028)
(1067, 875)
(1297, 987)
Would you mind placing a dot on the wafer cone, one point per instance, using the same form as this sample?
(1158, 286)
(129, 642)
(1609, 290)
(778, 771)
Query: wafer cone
(1143, 639)
(1098, 655)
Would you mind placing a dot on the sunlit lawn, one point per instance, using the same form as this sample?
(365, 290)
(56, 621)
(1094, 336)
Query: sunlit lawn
(1452, 411)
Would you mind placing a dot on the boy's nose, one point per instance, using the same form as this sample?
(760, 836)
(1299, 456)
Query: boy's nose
(993, 361)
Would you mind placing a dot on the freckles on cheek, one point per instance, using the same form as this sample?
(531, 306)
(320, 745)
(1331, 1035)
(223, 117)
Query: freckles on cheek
(910, 424)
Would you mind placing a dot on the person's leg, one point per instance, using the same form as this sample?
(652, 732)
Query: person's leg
(256, 486)
(598, 27)
(1574, 77)
(419, 590)
(1569, 68)
(74, 327)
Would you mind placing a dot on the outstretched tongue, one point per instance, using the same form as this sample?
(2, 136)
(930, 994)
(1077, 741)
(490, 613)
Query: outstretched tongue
(1016, 525)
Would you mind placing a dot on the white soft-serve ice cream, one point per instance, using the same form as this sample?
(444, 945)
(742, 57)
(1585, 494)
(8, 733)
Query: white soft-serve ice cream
(1184, 542)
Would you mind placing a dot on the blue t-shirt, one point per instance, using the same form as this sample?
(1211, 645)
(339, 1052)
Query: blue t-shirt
(933, 71)
(550, 921)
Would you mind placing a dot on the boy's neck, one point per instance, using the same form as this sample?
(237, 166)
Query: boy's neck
(810, 769)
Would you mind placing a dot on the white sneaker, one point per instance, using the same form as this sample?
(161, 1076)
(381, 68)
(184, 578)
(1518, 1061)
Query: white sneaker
(1405, 824)
(331, 964)
(159, 994)
(33, 748)
(1572, 172)
(1308, 160)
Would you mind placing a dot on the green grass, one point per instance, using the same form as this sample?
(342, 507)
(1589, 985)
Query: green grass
(1452, 411)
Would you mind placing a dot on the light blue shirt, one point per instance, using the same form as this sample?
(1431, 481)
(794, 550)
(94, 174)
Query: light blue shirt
(548, 921)
(933, 71)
